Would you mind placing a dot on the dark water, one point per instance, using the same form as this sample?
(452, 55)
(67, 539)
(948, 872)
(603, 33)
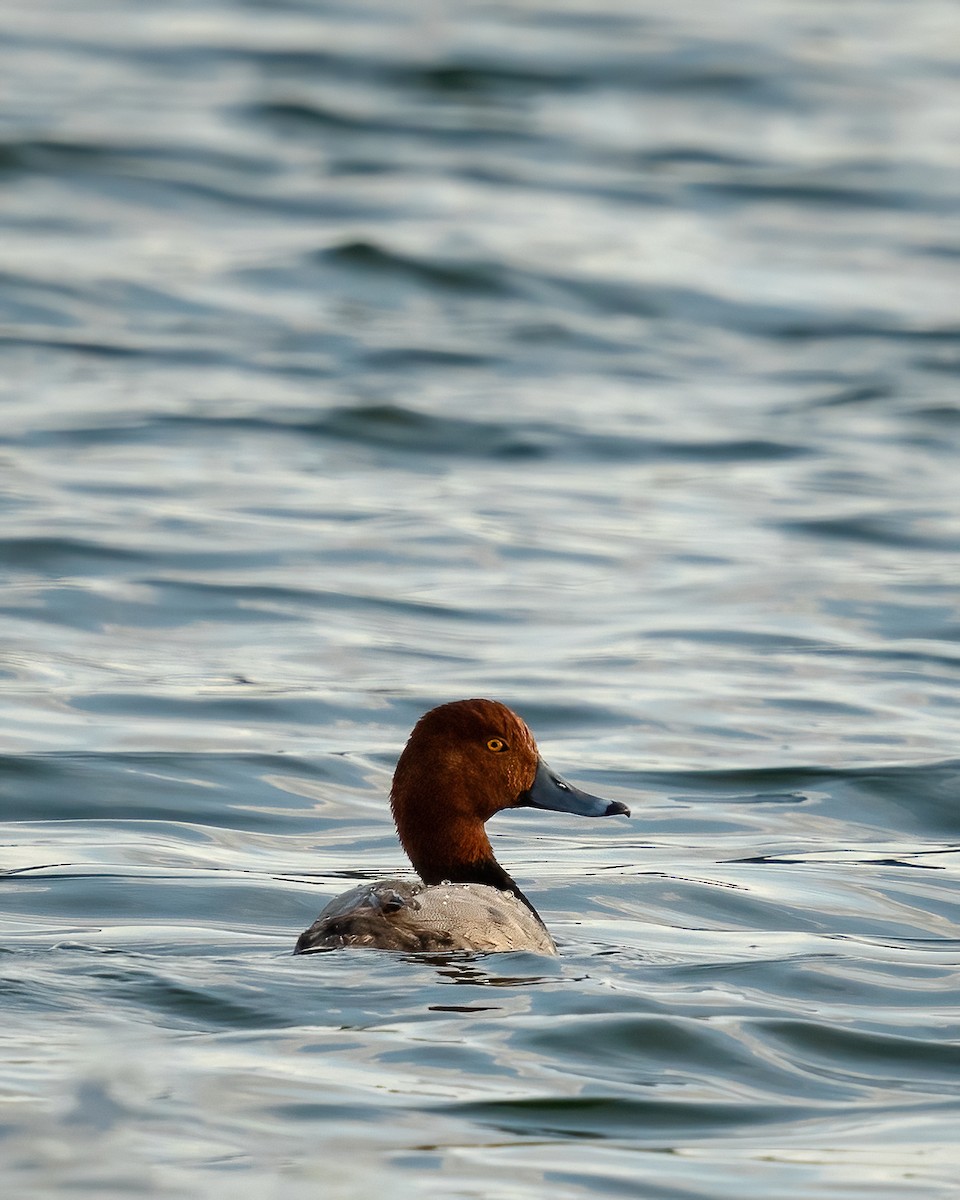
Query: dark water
(600, 357)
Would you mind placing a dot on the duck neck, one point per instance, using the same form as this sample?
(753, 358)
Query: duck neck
(483, 869)
(488, 872)
(462, 855)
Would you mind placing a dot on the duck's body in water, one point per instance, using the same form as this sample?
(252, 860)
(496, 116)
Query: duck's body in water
(464, 762)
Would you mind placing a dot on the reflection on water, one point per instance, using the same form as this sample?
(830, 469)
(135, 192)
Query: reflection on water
(596, 357)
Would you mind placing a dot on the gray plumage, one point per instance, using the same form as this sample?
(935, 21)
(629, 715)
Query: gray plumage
(396, 914)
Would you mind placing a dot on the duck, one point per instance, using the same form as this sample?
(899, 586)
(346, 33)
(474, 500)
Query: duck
(464, 762)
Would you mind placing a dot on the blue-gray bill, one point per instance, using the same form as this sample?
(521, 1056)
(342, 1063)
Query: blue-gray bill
(549, 790)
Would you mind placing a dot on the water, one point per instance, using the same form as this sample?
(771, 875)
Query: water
(599, 357)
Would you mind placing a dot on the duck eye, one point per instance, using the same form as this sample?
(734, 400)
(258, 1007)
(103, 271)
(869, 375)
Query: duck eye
(497, 745)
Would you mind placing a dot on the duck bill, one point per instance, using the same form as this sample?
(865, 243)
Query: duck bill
(549, 791)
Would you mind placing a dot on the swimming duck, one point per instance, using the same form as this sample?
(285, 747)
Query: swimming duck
(463, 762)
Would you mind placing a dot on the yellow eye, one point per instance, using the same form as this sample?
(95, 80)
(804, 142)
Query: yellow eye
(496, 745)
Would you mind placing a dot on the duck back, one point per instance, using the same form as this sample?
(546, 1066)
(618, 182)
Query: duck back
(397, 914)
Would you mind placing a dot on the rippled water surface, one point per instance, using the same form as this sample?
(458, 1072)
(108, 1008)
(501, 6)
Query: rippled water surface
(602, 357)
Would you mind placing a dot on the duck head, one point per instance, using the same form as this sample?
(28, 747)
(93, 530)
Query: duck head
(464, 762)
